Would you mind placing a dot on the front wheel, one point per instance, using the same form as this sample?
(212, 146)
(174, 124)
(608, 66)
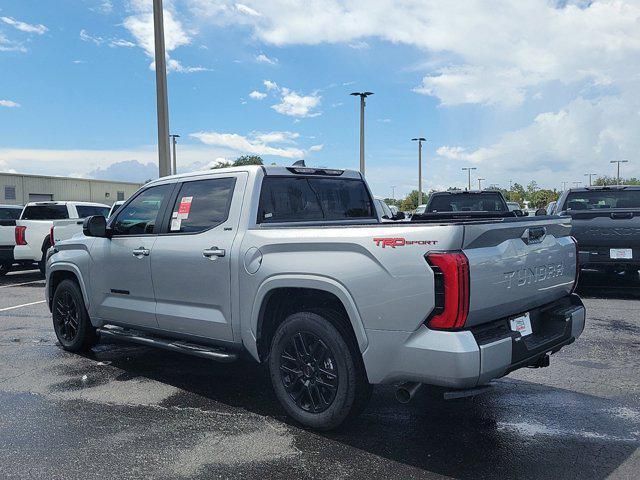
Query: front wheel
(317, 377)
(70, 318)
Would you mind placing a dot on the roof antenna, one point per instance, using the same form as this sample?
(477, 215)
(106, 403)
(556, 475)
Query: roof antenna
(299, 163)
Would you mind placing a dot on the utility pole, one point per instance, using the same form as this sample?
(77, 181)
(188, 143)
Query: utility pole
(589, 175)
(419, 140)
(393, 192)
(480, 183)
(510, 184)
(173, 138)
(468, 169)
(619, 162)
(362, 96)
(164, 164)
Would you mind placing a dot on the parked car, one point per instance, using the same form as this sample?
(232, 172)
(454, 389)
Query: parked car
(33, 228)
(291, 267)
(465, 203)
(8, 216)
(606, 223)
(513, 206)
(385, 212)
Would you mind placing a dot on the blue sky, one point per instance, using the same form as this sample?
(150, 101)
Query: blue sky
(523, 90)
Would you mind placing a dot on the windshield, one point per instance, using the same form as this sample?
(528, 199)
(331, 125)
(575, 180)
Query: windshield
(467, 202)
(45, 212)
(602, 199)
(420, 210)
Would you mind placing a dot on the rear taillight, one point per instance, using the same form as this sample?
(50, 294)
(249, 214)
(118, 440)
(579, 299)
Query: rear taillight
(451, 275)
(51, 239)
(20, 236)
(575, 282)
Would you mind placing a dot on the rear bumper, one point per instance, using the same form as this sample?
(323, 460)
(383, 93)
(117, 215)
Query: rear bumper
(595, 257)
(470, 358)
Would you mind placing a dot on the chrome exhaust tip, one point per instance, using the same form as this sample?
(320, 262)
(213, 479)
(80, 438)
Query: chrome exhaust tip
(406, 391)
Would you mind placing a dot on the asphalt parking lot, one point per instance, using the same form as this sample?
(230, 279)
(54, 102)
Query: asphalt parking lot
(126, 411)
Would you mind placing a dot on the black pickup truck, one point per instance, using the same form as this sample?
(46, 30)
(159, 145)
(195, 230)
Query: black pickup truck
(606, 223)
(464, 204)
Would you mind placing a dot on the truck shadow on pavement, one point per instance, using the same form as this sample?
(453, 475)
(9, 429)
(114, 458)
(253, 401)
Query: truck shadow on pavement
(517, 430)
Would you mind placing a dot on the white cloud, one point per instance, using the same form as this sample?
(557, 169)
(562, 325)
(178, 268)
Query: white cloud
(359, 45)
(7, 45)
(583, 136)
(38, 29)
(247, 10)
(120, 42)
(256, 144)
(9, 104)
(296, 105)
(269, 85)
(256, 95)
(262, 58)
(316, 148)
(87, 37)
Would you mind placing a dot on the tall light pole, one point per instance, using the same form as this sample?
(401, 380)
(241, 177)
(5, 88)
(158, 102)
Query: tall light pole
(576, 184)
(175, 165)
(362, 96)
(619, 162)
(468, 169)
(419, 140)
(164, 164)
(564, 186)
(589, 175)
(393, 192)
(480, 183)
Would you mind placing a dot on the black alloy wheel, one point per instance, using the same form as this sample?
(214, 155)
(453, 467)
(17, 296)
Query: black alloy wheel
(308, 372)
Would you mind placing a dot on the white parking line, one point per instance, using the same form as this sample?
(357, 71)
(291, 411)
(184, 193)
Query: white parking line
(20, 306)
(23, 283)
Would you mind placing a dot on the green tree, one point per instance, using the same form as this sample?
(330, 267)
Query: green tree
(411, 201)
(247, 160)
(606, 180)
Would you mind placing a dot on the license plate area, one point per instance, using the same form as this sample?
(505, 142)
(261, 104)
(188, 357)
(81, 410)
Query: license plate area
(621, 253)
(521, 324)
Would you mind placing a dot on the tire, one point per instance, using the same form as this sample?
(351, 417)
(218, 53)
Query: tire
(4, 269)
(317, 374)
(42, 264)
(70, 318)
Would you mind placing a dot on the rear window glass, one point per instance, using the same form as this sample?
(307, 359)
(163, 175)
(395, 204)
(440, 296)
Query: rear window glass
(304, 199)
(45, 212)
(85, 211)
(602, 199)
(10, 213)
(202, 205)
(467, 202)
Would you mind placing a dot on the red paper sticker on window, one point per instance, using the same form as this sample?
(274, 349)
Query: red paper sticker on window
(185, 206)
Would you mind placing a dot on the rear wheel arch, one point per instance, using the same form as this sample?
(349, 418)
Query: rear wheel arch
(276, 304)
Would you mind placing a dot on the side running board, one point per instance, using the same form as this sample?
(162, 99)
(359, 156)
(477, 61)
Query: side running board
(135, 336)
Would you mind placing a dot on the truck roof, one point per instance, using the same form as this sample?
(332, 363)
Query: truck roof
(604, 187)
(275, 170)
(88, 204)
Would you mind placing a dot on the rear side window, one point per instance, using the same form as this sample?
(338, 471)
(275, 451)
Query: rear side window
(463, 202)
(45, 212)
(201, 205)
(602, 199)
(140, 216)
(10, 213)
(85, 211)
(302, 199)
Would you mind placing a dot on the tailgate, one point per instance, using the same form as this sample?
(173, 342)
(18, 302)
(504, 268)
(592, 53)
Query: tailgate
(65, 229)
(515, 266)
(617, 228)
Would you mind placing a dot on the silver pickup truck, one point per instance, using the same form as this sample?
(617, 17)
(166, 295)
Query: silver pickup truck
(291, 267)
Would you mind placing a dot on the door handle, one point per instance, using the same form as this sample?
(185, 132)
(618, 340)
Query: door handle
(213, 253)
(141, 252)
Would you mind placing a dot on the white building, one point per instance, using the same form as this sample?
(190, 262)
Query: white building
(18, 189)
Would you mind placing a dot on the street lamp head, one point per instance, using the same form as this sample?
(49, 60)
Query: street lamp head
(421, 139)
(361, 94)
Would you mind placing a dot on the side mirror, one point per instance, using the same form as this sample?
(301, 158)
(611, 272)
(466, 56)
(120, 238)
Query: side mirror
(541, 212)
(518, 213)
(95, 226)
